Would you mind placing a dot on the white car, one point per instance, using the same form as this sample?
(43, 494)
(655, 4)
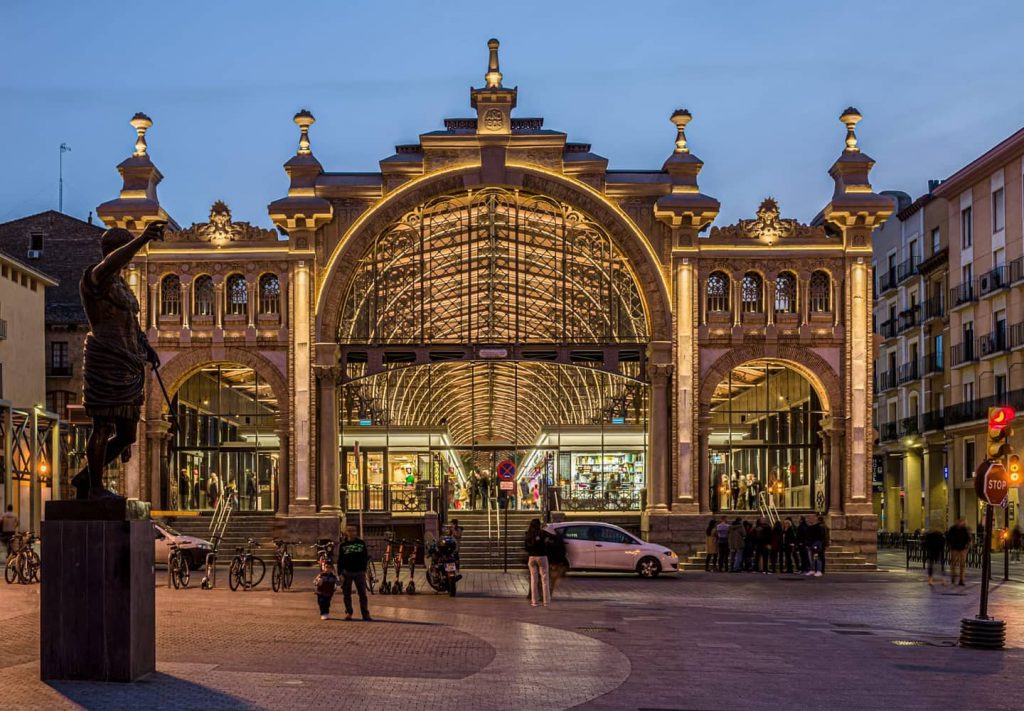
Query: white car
(592, 545)
(195, 548)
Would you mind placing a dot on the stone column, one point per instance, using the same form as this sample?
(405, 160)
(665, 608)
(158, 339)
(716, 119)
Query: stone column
(685, 331)
(186, 303)
(154, 305)
(769, 307)
(301, 499)
(157, 434)
(803, 297)
(252, 305)
(218, 303)
(704, 454)
(327, 438)
(660, 373)
(834, 437)
(282, 485)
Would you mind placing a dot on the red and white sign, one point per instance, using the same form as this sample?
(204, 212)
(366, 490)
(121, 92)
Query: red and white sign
(992, 482)
(507, 485)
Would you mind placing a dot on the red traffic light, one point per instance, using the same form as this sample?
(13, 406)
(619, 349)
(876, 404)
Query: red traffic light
(999, 418)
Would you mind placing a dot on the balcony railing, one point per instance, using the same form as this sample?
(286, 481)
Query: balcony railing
(885, 381)
(962, 353)
(886, 281)
(906, 269)
(909, 318)
(992, 343)
(932, 363)
(60, 371)
(887, 431)
(934, 420)
(908, 372)
(888, 329)
(962, 294)
(978, 409)
(933, 308)
(1017, 335)
(909, 426)
(1016, 270)
(993, 280)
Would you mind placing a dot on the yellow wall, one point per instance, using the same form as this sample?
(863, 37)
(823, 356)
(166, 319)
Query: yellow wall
(23, 352)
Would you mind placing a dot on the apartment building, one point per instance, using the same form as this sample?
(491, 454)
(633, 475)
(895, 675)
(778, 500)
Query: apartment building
(985, 330)
(910, 256)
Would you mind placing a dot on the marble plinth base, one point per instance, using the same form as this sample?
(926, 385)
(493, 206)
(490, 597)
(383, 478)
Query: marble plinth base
(97, 613)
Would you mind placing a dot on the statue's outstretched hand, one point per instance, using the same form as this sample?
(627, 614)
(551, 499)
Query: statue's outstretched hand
(154, 231)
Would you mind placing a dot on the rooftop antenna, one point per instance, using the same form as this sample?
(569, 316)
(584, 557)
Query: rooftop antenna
(64, 148)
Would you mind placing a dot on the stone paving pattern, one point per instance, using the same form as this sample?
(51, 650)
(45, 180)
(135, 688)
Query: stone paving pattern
(695, 641)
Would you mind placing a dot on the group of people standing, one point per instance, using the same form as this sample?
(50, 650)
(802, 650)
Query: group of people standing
(193, 495)
(957, 539)
(762, 547)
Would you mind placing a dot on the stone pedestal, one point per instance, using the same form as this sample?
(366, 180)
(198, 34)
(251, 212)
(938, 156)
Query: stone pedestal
(97, 613)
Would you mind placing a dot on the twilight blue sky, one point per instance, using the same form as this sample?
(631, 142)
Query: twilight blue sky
(938, 83)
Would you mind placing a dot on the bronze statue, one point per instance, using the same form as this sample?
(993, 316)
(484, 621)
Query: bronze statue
(116, 353)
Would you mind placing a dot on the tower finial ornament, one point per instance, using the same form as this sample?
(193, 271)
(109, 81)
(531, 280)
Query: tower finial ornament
(681, 117)
(851, 117)
(304, 119)
(141, 123)
(493, 75)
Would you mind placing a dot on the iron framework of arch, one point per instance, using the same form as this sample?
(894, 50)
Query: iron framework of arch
(493, 266)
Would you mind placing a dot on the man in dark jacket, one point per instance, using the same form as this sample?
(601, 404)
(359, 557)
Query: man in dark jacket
(958, 539)
(935, 551)
(352, 560)
(558, 559)
(817, 542)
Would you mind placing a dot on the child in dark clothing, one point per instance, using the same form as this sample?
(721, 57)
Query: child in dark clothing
(325, 584)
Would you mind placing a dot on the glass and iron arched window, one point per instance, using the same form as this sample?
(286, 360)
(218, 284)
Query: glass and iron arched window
(237, 296)
(170, 296)
(202, 296)
(785, 293)
(821, 292)
(752, 293)
(270, 294)
(718, 292)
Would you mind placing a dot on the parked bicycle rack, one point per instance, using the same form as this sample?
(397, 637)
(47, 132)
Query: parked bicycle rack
(218, 525)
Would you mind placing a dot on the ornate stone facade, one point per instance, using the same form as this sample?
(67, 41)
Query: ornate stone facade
(797, 293)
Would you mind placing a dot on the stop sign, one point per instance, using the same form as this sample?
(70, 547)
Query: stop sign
(992, 482)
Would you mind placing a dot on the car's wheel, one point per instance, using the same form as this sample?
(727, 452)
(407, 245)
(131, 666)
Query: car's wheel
(648, 567)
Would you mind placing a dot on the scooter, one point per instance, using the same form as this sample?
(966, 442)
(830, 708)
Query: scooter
(396, 587)
(410, 587)
(385, 585)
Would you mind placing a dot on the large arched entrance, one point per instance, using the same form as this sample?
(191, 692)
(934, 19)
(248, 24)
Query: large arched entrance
(766, 448)
(487, 327)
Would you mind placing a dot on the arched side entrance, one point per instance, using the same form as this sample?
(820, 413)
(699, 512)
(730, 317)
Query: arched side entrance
(499, 281)
(768, 432)
(232, 415)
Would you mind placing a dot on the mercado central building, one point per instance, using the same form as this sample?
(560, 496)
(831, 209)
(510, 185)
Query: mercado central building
(496, 294)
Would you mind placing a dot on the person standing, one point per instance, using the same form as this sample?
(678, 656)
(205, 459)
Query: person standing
(736, 537)
(353, 558)
(711, 546)
(558, 559)
(8, 527)
(762, 546)
(723, 545)
(325, 584)
(250, 489)
(213, 490)
(817, 540)
(789, 546)
(537, 561)
(184, 490)
(802, 530)
(958, 538)
(935, 551)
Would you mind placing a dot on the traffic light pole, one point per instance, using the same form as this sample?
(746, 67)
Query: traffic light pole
(986, 564)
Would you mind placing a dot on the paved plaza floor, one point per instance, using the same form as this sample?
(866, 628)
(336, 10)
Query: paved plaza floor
(696, 641)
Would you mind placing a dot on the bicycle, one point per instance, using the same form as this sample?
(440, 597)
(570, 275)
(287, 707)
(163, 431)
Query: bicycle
(325, 551)
(281, 575)
(177, 565)
(242, 572)
(23, 562)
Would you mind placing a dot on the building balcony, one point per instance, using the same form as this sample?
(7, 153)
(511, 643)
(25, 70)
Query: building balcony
(933, 421)
(889, 328)
(1016, 338)
(909, 426)
(993, 280)
(933, 308)
(60, 371)
(887, 432)
(962, 353)
(962, 294)
(907, 373)
(886, 281)
(885, 381)
(978, 409)
(906, 269)
(909, 319)
(932, 363)
(992, 343)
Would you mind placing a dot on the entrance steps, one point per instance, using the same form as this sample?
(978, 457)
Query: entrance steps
(837, 560)
(480, 550)
(243, 525)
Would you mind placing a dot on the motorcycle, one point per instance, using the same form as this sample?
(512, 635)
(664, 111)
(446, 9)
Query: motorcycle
(443, 568)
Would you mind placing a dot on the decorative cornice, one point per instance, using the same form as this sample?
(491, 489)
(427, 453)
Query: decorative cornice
(221, 229)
